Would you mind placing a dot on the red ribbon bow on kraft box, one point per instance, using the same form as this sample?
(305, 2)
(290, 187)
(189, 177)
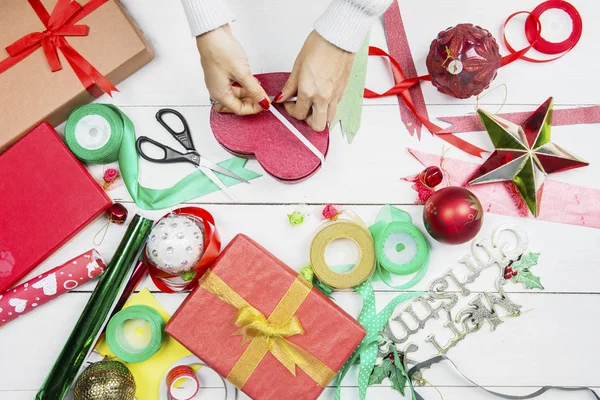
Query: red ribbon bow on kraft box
(59, 24)
(98, 40)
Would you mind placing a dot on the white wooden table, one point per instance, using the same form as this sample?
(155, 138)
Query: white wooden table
(554, 343)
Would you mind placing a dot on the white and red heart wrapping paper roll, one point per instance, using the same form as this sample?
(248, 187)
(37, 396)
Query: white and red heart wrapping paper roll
(40, 290)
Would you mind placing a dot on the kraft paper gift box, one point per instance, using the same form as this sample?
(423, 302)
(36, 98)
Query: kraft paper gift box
(251, 315)
(29, 91)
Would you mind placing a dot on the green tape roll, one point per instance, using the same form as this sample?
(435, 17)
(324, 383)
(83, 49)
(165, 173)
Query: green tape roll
(121, 333)
(94, 134)
(391, 232)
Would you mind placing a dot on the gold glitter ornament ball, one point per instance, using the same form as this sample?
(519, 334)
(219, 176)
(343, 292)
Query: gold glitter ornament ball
(105, 380)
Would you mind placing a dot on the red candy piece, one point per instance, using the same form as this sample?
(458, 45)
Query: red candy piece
(117, 213)
(264, 137)
(431, 176)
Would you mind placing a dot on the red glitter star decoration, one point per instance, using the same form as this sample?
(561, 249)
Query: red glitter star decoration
(524, 154)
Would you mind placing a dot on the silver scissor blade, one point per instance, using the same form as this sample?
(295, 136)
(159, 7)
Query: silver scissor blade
(215, 179)
(216, 167)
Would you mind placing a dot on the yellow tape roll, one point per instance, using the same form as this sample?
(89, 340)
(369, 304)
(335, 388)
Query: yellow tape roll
(343, 230)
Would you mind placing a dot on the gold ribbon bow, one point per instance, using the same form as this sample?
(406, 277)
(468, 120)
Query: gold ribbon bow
(269, 334)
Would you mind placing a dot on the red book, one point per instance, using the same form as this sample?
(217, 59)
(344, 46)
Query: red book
(204, 323)
(46, 197)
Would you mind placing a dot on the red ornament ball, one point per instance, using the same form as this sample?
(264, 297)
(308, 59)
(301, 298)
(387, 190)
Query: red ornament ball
(463, 60)
(431, 176)
(453, 215)
(117, 213)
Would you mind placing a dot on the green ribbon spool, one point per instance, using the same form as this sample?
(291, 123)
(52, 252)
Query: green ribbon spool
(101, 133)
(394, 225)
(117, 333)
(94, 134)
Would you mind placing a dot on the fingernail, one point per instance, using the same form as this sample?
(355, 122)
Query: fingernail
(264, 103)
(278, 97)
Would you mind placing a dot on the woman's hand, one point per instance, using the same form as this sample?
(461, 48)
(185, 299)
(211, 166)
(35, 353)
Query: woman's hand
(225, 62)
(320, 74)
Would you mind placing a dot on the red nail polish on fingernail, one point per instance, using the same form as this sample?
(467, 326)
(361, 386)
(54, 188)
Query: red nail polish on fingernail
(278, 97)
(264, 103)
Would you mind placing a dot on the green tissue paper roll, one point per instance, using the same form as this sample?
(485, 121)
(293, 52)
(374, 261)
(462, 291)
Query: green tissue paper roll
(96, 312)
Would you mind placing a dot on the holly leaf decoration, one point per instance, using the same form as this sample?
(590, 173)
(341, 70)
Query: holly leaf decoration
(387, 369)
(381, 371)
(524, 275)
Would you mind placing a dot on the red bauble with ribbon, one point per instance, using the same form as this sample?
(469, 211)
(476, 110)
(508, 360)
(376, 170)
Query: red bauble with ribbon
(178, 282)
(453, 215)
(463, 61)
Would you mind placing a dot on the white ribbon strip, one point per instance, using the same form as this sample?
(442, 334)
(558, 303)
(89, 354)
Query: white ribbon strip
(298, 134)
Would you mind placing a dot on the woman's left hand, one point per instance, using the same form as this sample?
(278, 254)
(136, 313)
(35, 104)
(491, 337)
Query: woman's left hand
(319, 76)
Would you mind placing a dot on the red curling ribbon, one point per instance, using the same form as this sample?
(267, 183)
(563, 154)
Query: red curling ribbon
(401, 89)
(542, 45)
(59, 24)
(533, 33)
(171, 283)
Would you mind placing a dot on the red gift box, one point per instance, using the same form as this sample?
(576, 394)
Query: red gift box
(47, 197)
(206, 324)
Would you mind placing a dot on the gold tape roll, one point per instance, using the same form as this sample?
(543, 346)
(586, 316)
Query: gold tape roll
(343, 230)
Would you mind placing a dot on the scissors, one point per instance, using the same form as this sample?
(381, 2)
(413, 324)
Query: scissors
(191, 156)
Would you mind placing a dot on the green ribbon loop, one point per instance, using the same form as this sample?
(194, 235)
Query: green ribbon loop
(395, 224)
(121, 147)
(373, 324)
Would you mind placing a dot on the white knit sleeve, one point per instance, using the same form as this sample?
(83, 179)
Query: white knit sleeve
(206, 15)
(346, 23)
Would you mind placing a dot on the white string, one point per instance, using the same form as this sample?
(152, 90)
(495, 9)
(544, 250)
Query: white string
(297, 133)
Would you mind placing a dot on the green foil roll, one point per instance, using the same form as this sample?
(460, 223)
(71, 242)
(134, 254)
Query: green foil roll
(96, 312)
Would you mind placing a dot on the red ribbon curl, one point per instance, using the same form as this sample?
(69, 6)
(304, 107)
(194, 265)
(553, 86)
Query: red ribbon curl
(59, 24)
(171, 283)
(401, 89)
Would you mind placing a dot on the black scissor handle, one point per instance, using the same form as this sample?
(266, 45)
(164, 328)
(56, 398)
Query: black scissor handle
(184, 137)
(170, 155)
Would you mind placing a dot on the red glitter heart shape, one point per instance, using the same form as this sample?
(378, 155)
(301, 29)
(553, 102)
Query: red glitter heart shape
(264, 137)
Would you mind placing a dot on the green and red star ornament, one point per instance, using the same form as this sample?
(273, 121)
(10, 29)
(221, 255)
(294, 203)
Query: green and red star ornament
(524, 154)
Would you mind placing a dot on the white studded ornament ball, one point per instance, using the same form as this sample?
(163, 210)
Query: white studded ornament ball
(176, 244)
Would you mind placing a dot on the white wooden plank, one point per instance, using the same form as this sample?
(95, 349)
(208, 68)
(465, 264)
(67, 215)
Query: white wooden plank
(366, 172)
(535, 349)
(569, 253)
(348, 393)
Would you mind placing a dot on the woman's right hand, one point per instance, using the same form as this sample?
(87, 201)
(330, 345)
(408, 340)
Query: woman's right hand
(225, 63)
